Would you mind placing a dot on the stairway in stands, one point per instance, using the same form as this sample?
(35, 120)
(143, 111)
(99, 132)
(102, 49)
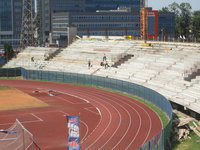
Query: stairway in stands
(54, 54)
(193, 75)
(122, 60)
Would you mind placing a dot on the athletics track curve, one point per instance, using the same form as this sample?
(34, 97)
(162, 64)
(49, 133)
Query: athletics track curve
(107, 120)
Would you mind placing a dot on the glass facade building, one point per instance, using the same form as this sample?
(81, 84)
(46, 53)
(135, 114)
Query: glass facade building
(93, 5)
(86, 9)
(6, 15)
(10, 21)
(166, 25)
(6, 21)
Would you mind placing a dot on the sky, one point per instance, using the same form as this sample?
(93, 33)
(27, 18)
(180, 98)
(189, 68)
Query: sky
(158, 4)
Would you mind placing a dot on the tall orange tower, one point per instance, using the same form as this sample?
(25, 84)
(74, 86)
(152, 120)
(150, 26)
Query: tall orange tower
(143, 20)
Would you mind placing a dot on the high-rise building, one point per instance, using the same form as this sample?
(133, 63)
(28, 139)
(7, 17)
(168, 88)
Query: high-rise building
(101, 23)
(10, 21)
(93, 5)
(6, 21)
(85, 7)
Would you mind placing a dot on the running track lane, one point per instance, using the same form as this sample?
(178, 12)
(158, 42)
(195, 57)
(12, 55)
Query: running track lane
(123, 123)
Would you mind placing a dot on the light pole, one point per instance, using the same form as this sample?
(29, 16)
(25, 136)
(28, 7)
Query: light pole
(162, 34)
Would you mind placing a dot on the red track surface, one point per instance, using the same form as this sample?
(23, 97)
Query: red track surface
(108, 121)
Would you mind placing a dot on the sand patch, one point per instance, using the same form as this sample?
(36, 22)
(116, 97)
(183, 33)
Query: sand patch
(14, 99)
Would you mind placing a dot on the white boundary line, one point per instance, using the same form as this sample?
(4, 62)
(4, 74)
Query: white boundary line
(8, 139)
(73, 96)
(98, 111)
(87, 108)
(37, 120)
(133, 102)
(36, 117)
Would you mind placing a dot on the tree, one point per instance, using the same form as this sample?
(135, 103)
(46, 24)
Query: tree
(185, 18)
(164, 10)
(182, 17)
(9, 53)
(174, 7)
(195, 25)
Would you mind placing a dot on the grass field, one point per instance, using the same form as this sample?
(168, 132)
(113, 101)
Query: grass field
(190, 144)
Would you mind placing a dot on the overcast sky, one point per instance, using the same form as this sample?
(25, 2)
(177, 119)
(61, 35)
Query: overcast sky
(158, 4)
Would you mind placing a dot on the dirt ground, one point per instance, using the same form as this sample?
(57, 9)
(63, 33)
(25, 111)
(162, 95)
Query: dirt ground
(14, 99)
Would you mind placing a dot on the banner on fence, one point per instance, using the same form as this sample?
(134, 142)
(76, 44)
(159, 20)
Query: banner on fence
(73, 132)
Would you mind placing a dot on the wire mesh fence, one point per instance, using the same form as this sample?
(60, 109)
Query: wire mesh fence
(16, 137)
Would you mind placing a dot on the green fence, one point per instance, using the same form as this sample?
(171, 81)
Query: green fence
(158, 142)
(10, 72)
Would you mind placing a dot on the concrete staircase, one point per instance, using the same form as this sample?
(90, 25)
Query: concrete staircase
(122, 60)
(54, 54)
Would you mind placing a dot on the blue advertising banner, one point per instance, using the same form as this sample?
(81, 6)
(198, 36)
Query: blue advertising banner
(73, 132)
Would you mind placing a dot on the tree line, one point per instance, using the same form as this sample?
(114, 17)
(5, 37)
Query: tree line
(187, 22)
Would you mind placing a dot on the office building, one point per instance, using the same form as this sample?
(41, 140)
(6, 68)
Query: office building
(88, 8)
(10, 21)
(166, 25)
(6, 21)
(104, 23)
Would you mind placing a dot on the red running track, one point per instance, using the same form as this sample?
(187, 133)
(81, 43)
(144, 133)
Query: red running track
(107, 120)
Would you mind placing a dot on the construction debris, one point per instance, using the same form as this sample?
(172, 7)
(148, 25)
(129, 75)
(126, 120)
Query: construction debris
(185, 121)
(185, 124)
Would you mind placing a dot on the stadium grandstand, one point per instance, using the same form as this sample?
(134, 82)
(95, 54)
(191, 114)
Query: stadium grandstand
(172, 69)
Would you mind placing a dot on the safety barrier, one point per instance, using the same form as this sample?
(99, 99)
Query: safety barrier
(10, 72)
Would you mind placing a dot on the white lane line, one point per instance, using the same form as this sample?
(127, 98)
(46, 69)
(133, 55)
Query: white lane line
(37, 117)
(101, 135)
(140, 122)
(73, 96)
(110, 117)
(21, 122)
(149, 127)
(133, 102)
(98, 111)
(27, 113)
(87, 130)
(119, 124)
(91, 110)
(63, 99)
(130, 120)
(87, 102)
(44, 112)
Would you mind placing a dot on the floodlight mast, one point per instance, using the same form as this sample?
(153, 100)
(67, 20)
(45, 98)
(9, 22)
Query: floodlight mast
(27, 35)
(30, 26)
